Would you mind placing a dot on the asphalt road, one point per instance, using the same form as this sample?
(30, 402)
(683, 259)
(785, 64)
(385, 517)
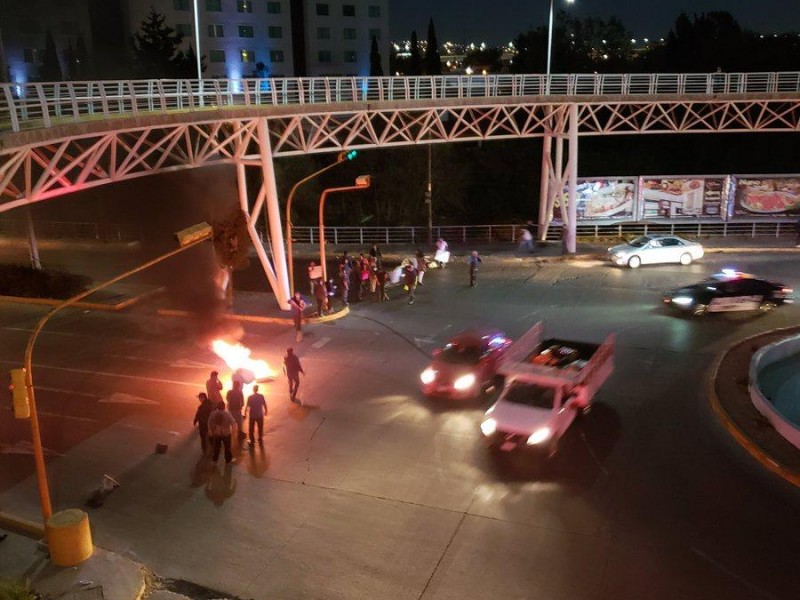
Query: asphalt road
(374, 491)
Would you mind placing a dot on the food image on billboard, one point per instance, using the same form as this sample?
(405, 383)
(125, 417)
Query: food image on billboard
(682, 196)
(602, 199)
(767, 196)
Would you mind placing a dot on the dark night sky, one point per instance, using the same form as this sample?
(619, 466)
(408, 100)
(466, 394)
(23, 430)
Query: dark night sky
(499, 21)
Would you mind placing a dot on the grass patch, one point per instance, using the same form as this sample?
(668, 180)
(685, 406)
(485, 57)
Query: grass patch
(16, 590)
(27, 282)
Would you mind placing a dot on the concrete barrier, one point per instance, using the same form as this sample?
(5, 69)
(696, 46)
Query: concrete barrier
(766, 356)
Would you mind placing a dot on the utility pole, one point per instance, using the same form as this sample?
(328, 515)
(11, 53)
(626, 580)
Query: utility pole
(429, 194)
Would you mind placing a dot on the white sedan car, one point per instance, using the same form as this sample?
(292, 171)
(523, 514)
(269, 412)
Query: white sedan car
(655, 249)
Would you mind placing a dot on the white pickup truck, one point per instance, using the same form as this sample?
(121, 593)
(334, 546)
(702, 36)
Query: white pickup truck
(547, 384)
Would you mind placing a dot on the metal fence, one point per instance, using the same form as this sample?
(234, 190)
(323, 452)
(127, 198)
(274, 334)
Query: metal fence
(32, 105)
(462, 234)
(72, 230)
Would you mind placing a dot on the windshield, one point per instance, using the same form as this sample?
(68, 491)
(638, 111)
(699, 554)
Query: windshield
(531, 395)
(459, 354)
(639, 242)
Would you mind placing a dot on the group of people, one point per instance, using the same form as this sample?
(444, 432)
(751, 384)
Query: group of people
(217, 420)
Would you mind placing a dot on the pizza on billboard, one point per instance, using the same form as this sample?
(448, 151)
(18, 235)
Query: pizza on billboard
(767, 196)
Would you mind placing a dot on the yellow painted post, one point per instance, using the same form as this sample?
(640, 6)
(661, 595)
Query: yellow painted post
(69, 537)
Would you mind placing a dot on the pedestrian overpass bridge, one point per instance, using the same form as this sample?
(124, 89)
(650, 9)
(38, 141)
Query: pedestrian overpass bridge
(59, 138)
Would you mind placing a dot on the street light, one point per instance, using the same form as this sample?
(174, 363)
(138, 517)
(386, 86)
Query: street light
(187, 238)
(343, 156)
(362, 183)
(550, 39)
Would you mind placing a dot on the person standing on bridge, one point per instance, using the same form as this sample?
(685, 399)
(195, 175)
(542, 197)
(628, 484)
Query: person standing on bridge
(474, 261)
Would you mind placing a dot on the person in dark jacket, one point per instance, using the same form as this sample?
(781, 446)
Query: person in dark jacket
(410, 281)
(297, 305)
(235, 398)
(321, 294)
(201, 419)
(422, 266)
(381, 276)
(257, 410)
(474, 261)
(292, 368)
(375, 253)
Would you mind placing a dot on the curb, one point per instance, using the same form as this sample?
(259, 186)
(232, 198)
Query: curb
(789, 475)
(85, 305)
(21, 526)
(166, 312)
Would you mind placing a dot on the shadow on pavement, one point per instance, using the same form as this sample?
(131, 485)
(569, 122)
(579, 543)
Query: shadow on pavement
(257, 462)
(221, 486)
(300, 412)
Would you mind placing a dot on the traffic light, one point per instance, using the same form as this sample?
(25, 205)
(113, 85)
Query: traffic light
(348, 155)
(19, 394)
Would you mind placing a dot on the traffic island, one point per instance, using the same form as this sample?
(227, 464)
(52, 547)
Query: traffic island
(729, 398)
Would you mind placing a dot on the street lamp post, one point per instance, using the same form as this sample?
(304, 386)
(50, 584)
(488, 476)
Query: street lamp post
(199, 56)
(362, 183)
(343, 156)
(187, 239)
(550, 39)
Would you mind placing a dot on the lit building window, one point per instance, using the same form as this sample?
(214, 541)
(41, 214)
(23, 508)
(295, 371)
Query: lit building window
(244, 6)
(248, 56)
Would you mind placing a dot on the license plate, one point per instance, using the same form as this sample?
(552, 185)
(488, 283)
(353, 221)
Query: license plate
(507, 446)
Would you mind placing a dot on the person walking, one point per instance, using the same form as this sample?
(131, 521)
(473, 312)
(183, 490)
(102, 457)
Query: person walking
(313, 276)
(474, 261)
(422, 266)
(525, 240)
(362, 275)
(256, 410)
(214, 388)
(201, 419)
(297, 306)
(220, 425)
(410, 281)
(442, 255)
(235, 398)
(292, 368)
(345, 269)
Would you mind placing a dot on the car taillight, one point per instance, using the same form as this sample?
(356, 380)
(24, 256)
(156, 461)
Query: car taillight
(786, 291)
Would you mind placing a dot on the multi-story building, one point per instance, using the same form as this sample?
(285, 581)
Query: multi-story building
(238, 38)
(23, 30)
(256, 38)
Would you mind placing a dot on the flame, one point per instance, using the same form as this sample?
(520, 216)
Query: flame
(237, 356)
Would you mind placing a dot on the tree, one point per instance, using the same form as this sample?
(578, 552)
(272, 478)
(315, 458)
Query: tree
(375, 67)
(155, 49)
(484, 59)
(415, 64)
(186, 64)
(51, 66)
(433, 62)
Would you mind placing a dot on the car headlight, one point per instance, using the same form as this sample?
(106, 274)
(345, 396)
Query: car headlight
(540, 435)
(464, 382)
(488, 427)
(427, 376)
(682, 300)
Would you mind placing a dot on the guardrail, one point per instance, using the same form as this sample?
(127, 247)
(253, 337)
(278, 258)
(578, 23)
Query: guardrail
(776, 228)
(32, 105)
(72, 230)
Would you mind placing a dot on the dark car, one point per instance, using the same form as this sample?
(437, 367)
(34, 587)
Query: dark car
(467, 365)
(729, 291)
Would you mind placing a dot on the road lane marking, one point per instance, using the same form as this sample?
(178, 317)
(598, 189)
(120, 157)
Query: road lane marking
(41, 388)
(122, 398)
(105, 374)
(321, 343)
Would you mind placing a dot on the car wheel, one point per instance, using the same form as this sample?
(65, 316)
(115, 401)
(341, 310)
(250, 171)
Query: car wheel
(634, 262)
(686, 259)
(699, 310)
(767, 306)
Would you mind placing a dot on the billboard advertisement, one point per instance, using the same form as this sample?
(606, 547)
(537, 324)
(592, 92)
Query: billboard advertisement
(765, 196)
(668, 197)
(603, 198)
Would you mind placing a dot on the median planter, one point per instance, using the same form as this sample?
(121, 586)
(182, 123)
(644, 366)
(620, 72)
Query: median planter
(27, 282)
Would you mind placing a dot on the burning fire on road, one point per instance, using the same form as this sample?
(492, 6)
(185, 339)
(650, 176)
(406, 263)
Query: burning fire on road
(238, 358)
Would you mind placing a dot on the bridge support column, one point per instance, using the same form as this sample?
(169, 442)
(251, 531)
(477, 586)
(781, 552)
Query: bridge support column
(544, 187)
(270, 190)
(571, 221)
(33, 246)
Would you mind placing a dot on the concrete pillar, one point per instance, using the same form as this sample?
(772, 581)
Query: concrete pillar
(572, 223)
(544, 187)
(33, 246)
(69, 538)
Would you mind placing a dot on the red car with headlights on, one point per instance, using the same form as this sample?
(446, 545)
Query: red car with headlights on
(466, 366)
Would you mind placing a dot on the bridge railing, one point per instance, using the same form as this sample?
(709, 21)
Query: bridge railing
(33, 105)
